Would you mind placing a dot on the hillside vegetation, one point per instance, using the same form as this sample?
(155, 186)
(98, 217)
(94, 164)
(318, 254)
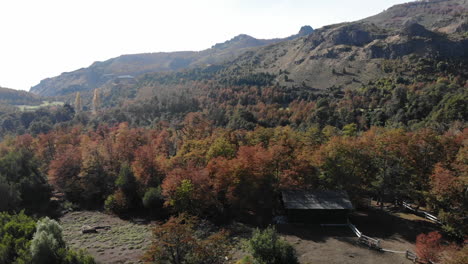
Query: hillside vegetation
(15, 97)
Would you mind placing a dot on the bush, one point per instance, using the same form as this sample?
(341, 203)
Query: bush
(267, 248)
(246, 260)
(80, 257)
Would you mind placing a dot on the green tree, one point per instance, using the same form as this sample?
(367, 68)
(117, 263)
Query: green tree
(221, 147)
(268, 248)
(16, 232)
(153, 199)
(350, 130)
(46, 242)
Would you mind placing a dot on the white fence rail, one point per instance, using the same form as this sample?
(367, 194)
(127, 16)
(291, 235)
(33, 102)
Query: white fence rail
(363, 239)
(425, 214)
(355, 230)
(411, 256)
(370, 242)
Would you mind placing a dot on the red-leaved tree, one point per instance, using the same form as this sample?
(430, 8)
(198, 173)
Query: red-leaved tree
(428, 247)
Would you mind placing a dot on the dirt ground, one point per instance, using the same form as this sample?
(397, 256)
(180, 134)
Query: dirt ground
(124, 242)
(315, 244)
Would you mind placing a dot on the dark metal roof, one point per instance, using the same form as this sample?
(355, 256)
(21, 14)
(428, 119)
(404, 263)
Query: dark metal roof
(316, 200)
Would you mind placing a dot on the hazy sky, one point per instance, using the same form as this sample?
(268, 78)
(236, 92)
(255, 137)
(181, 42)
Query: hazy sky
(43, 38)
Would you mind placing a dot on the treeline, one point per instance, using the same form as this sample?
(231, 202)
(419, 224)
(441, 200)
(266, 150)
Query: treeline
(34, 122)
(225, 174)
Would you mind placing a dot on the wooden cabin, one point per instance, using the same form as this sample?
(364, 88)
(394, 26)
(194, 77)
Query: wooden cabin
(322, 207)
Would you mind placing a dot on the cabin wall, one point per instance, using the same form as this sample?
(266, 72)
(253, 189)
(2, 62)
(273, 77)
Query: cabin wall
(318, 216)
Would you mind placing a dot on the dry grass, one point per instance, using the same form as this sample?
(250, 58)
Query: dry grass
(124, 242)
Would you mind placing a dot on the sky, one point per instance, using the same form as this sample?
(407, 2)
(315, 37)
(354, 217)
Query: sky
(43, 38)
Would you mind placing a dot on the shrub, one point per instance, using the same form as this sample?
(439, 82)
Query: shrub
(80, 257)
(246, 260)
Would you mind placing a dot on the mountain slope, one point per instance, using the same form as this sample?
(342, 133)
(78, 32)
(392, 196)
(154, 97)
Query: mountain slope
(347, 55)
(446, 16)
(130, 66)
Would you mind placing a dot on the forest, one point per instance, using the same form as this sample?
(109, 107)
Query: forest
(189, 165)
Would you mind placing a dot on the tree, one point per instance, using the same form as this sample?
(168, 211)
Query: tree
(78, 104)
(125, 197)
(96, 101)
(16, 232)
(221, 147)
(46, 242)
(153, 198)
(176, 242)
(268, 248)
(428, 247)
(64, 171)
(126, 180)
(146, 168)
(350, 130)
(21, 178)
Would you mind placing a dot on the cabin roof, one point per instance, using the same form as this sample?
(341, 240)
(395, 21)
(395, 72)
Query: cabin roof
(316, 200)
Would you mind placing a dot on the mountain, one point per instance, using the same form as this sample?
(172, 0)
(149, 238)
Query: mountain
(348, 55)
(129, 66)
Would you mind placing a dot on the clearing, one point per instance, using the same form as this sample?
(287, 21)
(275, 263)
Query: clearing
(124, 242)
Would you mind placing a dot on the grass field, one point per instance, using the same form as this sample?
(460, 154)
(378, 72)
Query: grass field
(35, 107)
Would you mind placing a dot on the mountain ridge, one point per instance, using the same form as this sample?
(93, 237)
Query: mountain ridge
(132, 65)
